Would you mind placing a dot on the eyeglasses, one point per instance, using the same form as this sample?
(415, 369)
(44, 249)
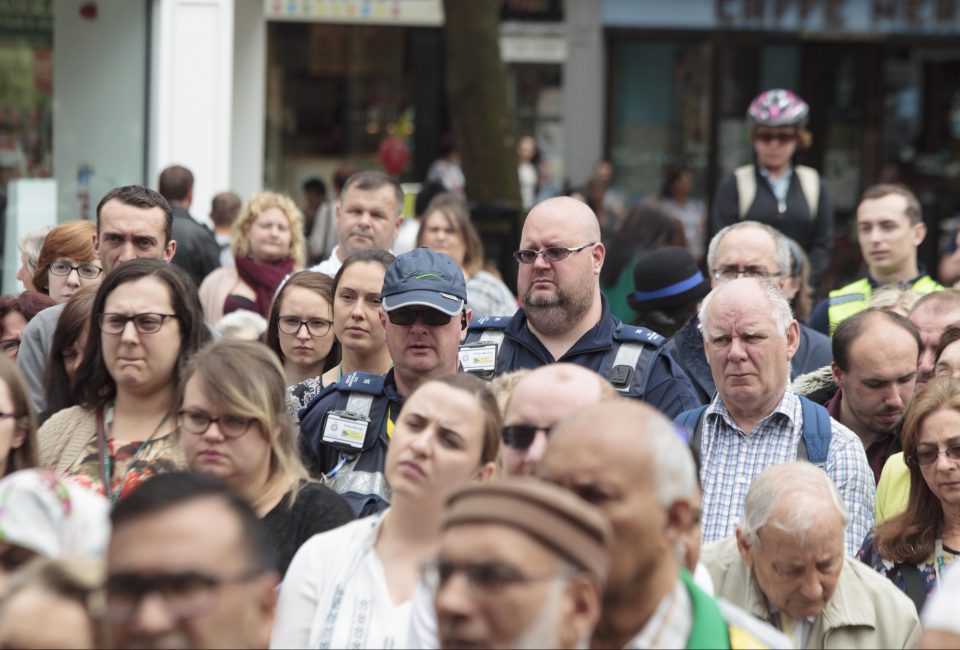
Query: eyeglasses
(145, 323)
(521, 436)
(486, 579)
(733, 272)
(186, 595)
(929, 456)
(551, 255)
(10, 347)
(431, 317)
(783, 137)
(316, 327)
(85, 271)
(197, 422)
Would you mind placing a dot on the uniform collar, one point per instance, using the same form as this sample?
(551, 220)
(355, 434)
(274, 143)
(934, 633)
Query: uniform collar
(598, 337)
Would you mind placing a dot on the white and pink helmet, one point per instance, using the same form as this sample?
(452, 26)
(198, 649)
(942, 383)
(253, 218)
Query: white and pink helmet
(778, 107)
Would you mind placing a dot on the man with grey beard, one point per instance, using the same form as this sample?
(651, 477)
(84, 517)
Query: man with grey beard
(564, 317)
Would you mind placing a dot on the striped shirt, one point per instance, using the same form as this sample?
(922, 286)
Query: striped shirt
(732, 459)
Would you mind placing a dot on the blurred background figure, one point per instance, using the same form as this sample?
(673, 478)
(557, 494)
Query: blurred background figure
(299, 329)
(648, 228)
(676, 198)
(65, 590)
(224, 210)
(606, 201)
(941, 627)
(197, 250)
(18, 422)
(267, 247)
(15, 313)
(66, 351)
(447, 228)
(314, 197)
(528, 170)
(322, 237)
(775, 191)
(44, 516)
(796, 284)
(446, 169)
(67, 261)
(241, 325)
(406, 239)
(669, 286)
(29, 246)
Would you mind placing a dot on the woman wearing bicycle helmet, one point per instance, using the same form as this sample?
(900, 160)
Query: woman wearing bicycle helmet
(791, 198)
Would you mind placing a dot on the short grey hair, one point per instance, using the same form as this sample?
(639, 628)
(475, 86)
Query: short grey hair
(783, 248)
(232, 325)
(674, 472)
(782, 314)
(30, 245)
(803, 486)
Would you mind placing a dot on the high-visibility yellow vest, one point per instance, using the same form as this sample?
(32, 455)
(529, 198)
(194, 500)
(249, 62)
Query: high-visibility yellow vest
(855, 297)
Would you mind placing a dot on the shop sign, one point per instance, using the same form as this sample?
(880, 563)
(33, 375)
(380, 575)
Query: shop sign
(359, 12)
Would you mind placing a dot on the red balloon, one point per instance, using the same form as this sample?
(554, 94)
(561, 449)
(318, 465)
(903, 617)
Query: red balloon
(394, 154)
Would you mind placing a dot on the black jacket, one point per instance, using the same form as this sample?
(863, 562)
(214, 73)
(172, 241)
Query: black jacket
(197, 250)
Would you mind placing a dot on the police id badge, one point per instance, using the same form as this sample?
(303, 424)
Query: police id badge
(479, 358)
(345, 430)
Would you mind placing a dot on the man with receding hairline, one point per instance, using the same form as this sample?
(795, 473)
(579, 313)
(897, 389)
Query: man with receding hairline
(640, 473)
(931, 314)
(564, 316)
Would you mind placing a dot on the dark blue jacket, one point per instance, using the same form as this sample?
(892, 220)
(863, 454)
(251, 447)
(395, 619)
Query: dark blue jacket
(321, 458)
(686, 348)
(667, 388)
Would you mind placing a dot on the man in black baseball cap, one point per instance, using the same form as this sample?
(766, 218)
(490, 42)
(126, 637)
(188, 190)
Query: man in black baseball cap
(345, 430)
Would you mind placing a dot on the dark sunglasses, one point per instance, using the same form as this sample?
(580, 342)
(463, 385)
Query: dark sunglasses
(431, 317)
(783, 137)
(521, 436)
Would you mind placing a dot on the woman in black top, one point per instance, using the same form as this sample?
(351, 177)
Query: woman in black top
(234, 425)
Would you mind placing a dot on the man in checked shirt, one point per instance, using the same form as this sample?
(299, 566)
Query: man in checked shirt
(756, 420)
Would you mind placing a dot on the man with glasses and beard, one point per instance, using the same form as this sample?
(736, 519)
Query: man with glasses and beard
(564, 316)
(345, 430)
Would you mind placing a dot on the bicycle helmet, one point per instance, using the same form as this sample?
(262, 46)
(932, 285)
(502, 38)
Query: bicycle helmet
(778, 107)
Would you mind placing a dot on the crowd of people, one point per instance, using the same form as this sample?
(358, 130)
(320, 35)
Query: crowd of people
(392, 449)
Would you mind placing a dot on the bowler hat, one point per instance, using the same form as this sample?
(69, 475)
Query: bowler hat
(666, 277)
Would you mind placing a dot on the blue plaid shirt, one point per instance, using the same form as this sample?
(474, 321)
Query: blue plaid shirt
(732, 459)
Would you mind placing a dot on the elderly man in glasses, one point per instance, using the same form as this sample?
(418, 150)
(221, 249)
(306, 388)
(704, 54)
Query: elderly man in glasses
(345, 430)
(754, 250)
(564, 317)
(189, 565)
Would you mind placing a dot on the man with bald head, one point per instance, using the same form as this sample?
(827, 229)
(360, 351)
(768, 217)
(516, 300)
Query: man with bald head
(753, 250)
(786, 566)
(639, 472)
(537, 403)
(756, 420)
(564, 317)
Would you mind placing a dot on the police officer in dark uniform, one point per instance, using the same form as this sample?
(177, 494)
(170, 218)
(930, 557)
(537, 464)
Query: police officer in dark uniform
(564, 317)
(345, 430)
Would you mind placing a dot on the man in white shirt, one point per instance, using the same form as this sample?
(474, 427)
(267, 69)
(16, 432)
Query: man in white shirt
(369, 215)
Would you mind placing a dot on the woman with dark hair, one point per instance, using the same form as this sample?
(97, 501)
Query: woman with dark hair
(15, 313)
(300, 329)
(145, 322)
(18, 421)
(66, 351)
(447, 229)
(67, 261)
(914, 547)
(648, 228)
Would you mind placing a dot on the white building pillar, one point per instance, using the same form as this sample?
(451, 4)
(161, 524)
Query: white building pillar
(584, 89)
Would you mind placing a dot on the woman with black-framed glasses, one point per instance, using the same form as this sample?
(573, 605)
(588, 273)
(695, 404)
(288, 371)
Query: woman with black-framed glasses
(233, 424)
(300, 332)
(67, 261)
(146, 320)
(914, 547)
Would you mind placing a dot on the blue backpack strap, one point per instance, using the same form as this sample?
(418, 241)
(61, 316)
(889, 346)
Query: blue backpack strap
(692, 421)
(635, 349)
(815, 439)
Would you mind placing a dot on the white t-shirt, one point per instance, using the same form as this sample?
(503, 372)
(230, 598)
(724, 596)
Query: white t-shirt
(335, 594)
(331, 265)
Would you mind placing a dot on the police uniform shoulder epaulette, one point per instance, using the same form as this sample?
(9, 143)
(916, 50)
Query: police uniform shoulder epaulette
(636, 334)
(849, 297)
(490, 323)
(361, 382)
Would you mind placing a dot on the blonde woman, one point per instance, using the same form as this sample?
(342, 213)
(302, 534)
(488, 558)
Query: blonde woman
(233, 424)
(268, 246)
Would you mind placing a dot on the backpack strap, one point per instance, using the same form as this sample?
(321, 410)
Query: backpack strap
(692, 421)
(913, 584)
(815, 437)
(746, 188)
(810, 184)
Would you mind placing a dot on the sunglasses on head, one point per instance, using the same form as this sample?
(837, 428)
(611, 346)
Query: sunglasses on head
(783, 137)
(521, 436)
(430, 317)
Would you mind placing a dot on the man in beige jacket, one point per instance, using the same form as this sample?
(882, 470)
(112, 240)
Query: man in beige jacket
(786, 566)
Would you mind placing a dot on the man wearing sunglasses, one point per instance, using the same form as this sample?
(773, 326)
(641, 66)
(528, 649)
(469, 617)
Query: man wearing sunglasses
(346, 429)
(791, 198)
(564, 316)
